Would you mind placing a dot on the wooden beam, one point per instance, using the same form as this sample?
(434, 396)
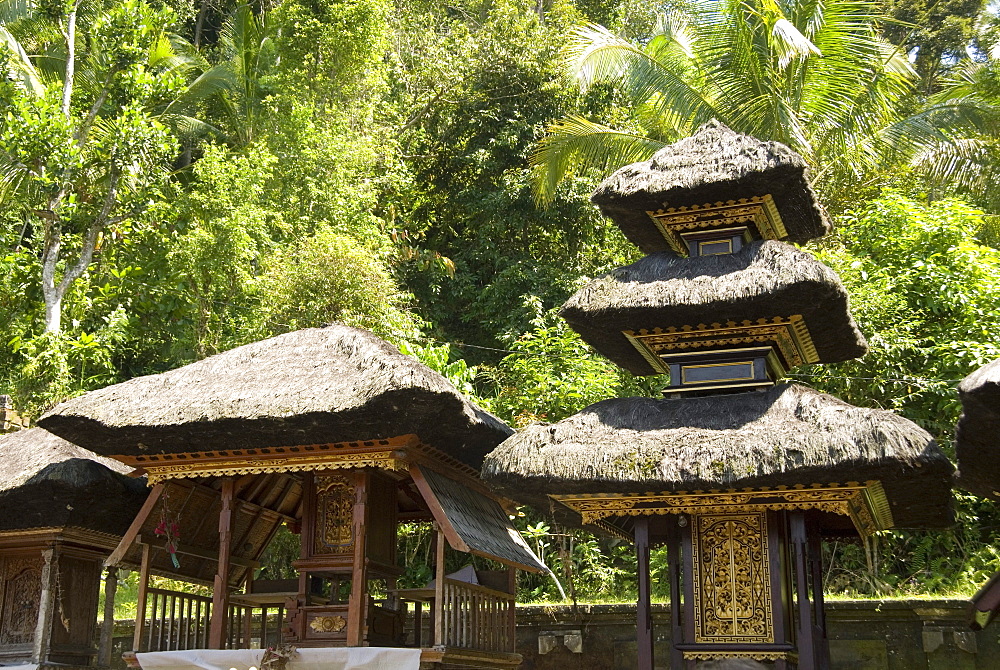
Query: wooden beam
(357, 604)
(188, 550)
(220, 594)
(133, 530)
(140, 608)
(644, 615)
(108, 626)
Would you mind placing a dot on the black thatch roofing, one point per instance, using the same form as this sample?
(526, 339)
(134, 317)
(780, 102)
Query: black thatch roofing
(713, 165)
(47, 482)
(977, 436)
(764, 280)
(313, 386)
(784, 436)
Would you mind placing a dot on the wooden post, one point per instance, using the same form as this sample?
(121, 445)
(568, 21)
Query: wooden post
(220, 596)
(140, 607)
(46, 605)
(511, 610)
(797, 527)
(108, 627)
(819, 615)
(674, 572)
(644, 618)
(357, 604)
(439, 588)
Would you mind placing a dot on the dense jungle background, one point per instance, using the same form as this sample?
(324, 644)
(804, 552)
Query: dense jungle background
(185, 176)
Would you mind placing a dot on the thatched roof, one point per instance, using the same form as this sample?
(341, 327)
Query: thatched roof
(313, 386)
(977, 436)
(764, 280)
(784, 436)
(713, 165)
(47, 482)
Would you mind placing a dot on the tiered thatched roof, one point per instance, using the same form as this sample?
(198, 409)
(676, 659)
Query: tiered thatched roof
(977, 438)
(765, 279)
(313, 386)
(784, 436)
(47, 482)
(713, 165)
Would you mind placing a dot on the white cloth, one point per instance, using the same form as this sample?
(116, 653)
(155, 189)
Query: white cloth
(338, 658)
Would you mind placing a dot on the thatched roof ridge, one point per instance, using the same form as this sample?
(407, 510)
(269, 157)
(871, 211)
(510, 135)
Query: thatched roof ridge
(46, 481)
(977, 435)
(764, 280)
(312, 386)
(715, 164)
(787, 435)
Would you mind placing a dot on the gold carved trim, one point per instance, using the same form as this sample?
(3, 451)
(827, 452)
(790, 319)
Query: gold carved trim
(759, 212)
(328, 624)
(384, 461)
(865, 504)
(755, 655)
(789, 334)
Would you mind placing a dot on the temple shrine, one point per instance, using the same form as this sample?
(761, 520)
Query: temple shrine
(739, 473)
(64, 511)
(335, 434)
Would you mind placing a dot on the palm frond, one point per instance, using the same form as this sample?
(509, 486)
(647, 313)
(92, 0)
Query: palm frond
(20, 67)
(574, 144)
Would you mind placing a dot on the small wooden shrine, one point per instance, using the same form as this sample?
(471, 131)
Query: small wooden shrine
(64, 510)
(334, 433)
(738, 474)
(977, 446)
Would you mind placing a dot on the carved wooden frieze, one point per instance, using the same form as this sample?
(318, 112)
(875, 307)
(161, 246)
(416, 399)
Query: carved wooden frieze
(19, 611)
(334, 515)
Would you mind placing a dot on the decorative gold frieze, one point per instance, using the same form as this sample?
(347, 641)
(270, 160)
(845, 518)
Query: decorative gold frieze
(763, 656)
(335, 515)
(731, 579)
(328, 624)
(789, 335)
(759, 213)
(865, 504)
(385, 461)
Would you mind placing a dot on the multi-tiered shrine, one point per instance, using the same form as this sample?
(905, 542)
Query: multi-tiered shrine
(336, 434)
(739, 474)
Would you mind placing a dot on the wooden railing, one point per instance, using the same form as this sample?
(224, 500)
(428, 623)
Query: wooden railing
(174, 621)
(476, 617)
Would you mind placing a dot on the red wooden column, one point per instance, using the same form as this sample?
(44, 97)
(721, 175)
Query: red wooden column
(220, 595)
(644, 618)
(357, 603)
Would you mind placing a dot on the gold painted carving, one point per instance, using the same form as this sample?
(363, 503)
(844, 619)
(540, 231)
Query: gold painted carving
(328, 624)
(788, 334)
(731, 579)
(758, 212)
(334, 522)
(755, 655)
(865, 504)
(297, 463)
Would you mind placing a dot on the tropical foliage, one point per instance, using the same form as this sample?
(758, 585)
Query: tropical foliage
(177, 178)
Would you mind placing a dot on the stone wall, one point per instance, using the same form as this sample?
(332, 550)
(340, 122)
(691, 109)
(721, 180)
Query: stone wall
(864, 635)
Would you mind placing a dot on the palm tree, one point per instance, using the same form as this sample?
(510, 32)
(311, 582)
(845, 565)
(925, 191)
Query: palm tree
(812, 74)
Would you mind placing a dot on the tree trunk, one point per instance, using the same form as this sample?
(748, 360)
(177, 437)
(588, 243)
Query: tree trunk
(53, 312)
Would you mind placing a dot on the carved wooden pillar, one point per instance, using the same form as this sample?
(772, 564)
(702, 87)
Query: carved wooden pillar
(674, 572)
(46, 605)
(220, 595)
(357, 607)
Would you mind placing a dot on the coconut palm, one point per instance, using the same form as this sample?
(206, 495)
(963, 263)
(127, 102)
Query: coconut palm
(813, 74)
